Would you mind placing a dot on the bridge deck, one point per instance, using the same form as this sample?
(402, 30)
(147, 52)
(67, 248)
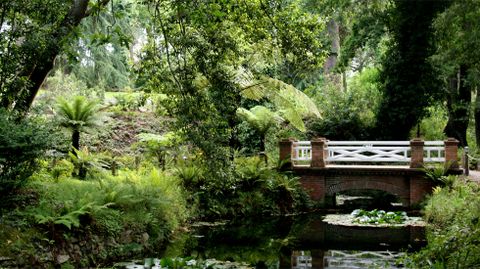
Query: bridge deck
(359, 166)
(366, 169)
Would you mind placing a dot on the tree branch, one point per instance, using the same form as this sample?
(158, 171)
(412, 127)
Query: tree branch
(101, 3)
(165, 39)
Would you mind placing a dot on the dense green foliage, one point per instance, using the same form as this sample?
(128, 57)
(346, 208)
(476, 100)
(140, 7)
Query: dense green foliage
(32, 35)
(453, 236)
(21, 143)
(207, 60)
(256, 189)
(457, 61)
(194, 90)
(261, 119)
(130, 214)
(407, 76)
(348, 115)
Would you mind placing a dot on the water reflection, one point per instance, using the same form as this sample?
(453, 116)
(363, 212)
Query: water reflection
(343, 259)
(320, 245)
(298, 243)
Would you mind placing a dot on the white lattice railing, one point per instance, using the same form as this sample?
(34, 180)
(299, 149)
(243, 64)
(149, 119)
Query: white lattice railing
(368, 152)
(302, 151)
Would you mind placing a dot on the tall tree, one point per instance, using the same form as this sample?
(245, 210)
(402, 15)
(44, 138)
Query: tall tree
(457, 58)
(32, 34)
(458, 95)
(407, 76)
(106, 47)
(204, 44)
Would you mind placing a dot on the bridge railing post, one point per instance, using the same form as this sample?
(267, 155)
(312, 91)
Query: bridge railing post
(466, 168)
(318, 152)
(285, 153)
(416, 157)
(451, 153)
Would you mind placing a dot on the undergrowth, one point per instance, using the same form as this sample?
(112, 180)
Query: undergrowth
(96, 220)
(453, 235)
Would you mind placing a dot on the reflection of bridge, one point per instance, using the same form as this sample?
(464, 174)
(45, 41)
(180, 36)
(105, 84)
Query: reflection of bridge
(324, 245)
(330, 167)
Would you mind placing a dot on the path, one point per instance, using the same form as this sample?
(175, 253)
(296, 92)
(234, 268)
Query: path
(474, 176)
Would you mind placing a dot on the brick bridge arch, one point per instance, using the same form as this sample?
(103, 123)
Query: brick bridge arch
(395, 187)
(409, 185)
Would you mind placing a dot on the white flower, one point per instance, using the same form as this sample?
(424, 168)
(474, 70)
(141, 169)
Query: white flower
(355, 212)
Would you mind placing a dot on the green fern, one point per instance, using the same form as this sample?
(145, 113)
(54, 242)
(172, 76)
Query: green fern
(260, 118)
(291, 103)
(78, 114)
(72, 216)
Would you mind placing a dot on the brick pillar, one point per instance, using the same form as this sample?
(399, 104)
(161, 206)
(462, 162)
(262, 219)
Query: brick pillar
(318, 260)
(318, 152)
(419, 188)
(314, 185)
(285, 146)
(451, 151)
(416, 146)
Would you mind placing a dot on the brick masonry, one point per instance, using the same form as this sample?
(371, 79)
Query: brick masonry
(408, 184)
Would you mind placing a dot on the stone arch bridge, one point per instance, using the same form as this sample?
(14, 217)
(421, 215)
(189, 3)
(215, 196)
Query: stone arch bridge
(327, 168)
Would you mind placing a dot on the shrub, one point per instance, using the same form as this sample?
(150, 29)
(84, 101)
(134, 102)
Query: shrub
(454, 232)
(63, 168)
(21, 143)
(130, 101)
(348, 115)
(440, 174)
(132, 213)
(431, 126)
(256, 189)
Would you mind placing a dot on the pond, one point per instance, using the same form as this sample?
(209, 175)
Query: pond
(299, 242)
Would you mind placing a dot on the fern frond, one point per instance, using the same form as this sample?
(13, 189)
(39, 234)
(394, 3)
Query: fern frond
(259, 117)
(78, 113)
(293, 104)
(294, 118)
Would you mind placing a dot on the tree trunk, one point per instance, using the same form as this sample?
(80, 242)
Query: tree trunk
(75, 141)
(331, 62)
(477, 119)
(262, 142)
(82, 171)
(263, 154)
(37, 70)
(458, 106)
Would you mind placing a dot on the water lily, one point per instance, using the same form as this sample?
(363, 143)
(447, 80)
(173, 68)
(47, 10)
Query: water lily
(191, 263)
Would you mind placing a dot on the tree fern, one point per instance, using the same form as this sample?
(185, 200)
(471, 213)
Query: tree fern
(291, 103)
(77, 115)
(261, 119)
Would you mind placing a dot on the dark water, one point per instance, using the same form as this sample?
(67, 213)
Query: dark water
(297, 242)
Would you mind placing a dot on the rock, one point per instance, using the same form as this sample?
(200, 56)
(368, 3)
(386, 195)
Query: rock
(145, 238)
(126, 237)
(111, 242)
(48, 256)
(62, 258)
